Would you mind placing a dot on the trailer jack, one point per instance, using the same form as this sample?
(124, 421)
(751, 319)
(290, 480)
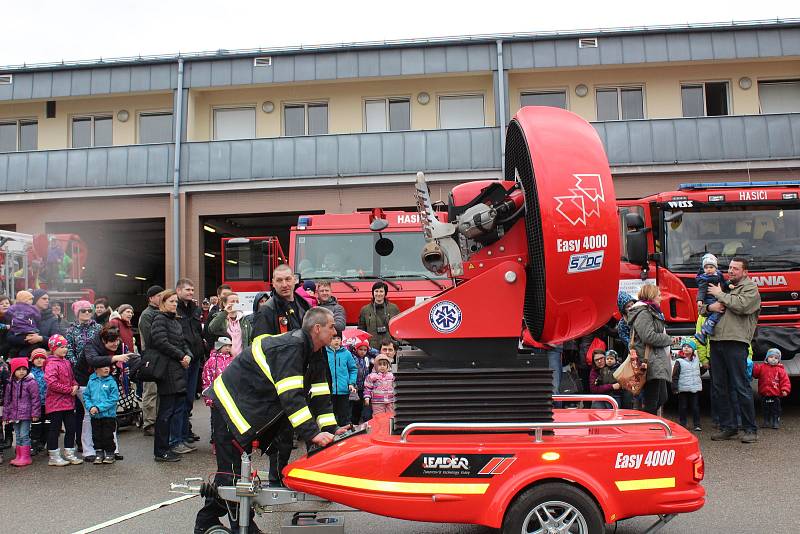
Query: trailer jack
(248, 492)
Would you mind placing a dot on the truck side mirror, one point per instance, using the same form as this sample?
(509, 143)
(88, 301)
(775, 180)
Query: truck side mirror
(636, 244)
(634, 221)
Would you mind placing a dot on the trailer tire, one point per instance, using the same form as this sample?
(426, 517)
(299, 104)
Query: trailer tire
(545, 506)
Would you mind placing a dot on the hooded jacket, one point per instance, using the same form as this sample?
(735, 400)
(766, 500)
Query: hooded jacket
(268, 319)
(773, 381)
(95, 355)
(344, 371)
(102, 393)
(648, 329)
(214, 367)
(339, 318)
(38, 374)
(21, 398)
(59, 378)
(25, 318)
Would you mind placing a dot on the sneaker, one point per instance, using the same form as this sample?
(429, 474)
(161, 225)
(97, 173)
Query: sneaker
(724, 435)
(98, 458)
(118, 456)
(749, 437)
(698, 429)
(90, 459)
(192, 438)
(167, 457)
(181, 448)
(189, 446)
(109, 459)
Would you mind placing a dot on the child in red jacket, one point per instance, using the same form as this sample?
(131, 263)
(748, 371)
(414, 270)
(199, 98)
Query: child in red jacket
(773, 383)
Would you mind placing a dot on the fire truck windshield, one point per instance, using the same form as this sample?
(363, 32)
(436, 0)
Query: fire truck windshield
(353, 256)
(769, 237)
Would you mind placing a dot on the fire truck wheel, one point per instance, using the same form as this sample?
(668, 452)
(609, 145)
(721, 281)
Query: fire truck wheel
(553, 508)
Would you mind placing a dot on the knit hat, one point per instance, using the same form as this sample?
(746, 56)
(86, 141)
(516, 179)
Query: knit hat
(38, 353)
(56, 341)
(39, 293)
(152, 291)
(221, 342)
(710, 259)
(690, 342)
(383, 357)
(623, 297)
(122, 307)
(361, 344)
(773, 352)
(81, 305)
(309, 285)
(24, 296)
(612, 352)
(16, 363)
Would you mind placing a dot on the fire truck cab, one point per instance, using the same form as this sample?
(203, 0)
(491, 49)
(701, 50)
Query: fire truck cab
(665, 236)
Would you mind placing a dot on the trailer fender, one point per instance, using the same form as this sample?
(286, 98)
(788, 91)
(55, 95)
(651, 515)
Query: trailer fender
(504, 497)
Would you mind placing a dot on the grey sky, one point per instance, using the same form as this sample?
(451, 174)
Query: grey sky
(39, 31)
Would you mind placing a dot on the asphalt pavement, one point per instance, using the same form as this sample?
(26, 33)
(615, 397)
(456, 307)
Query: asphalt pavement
(750, 488)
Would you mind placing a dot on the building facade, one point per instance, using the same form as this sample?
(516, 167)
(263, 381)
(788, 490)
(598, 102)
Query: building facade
(140, 155)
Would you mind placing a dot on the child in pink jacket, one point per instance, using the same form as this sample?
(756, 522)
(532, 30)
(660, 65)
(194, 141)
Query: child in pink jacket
(219, 359)
(59, 402)
(379, 387)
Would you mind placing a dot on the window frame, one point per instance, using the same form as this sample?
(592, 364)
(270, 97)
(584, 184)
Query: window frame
(729, 96)
(93, 117)
(768, 81)
(439, 97)
(150, 112)
(214, 109)
(550, 90)
(386, 100)
(619, 88)
(305, 104)
(18, 130)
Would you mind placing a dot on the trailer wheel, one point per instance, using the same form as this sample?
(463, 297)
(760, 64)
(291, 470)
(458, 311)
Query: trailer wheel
(553, 508)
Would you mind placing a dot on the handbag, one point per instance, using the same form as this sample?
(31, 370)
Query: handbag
(630, 374)
(570, 381)
(150, 366)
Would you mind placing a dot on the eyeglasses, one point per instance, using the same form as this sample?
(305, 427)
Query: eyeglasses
(85, 310)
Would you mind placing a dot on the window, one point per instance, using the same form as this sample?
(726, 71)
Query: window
(461, 111)
(619, 103)
(234, 123)
(554, 99)
(708, 99)
(305, 119)
(18, 135)
(779, 96)
(92, 130)
(155, 128)
(392, 112)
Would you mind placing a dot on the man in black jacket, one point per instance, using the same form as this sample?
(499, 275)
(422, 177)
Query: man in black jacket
(278, 382)
(189, 315)
(149, 389)
(283, 312)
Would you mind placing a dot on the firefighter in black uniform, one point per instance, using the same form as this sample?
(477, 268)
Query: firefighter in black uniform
(278, 382)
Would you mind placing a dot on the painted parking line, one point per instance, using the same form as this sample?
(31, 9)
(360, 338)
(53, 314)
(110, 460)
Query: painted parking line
(131, 515)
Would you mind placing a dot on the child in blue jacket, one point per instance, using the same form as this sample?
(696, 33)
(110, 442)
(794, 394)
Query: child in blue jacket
(100, 401)
(343, 379)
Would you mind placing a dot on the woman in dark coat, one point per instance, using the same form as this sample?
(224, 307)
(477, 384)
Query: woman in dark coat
(173, 357)
(650, 339)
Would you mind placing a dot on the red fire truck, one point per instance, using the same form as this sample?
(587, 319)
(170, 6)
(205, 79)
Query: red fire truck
(668, 234)
(352, 250)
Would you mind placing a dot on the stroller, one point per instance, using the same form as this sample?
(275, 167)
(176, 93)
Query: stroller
(129, 409)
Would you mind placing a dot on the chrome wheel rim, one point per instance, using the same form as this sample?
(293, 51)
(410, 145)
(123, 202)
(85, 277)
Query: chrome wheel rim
(555, 517)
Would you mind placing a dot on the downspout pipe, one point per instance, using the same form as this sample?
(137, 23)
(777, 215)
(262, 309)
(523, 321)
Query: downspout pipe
(176, 178)
(501, 95)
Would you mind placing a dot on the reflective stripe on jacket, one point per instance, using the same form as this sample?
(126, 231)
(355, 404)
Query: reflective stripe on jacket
(276, 378)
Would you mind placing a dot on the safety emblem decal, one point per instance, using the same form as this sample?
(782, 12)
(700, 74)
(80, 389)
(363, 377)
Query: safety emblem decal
(445, 317)
(584, 199)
